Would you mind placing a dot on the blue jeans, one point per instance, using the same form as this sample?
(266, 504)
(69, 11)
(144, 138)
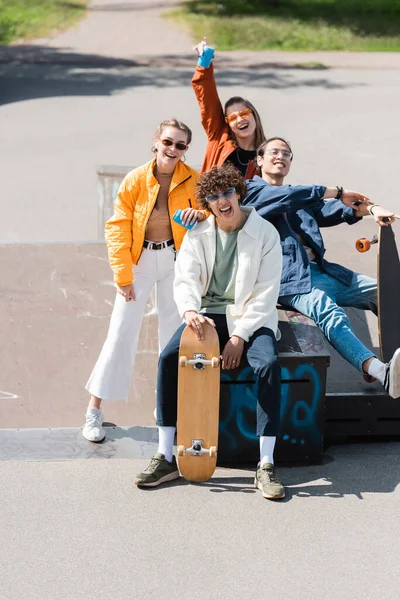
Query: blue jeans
(324, 305)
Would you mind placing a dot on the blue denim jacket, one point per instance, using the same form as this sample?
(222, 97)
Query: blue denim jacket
(300, 210)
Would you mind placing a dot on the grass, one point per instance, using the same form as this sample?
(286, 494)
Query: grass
(357, 25)
(36, 18)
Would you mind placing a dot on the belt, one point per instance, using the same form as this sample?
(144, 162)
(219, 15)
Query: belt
(157, 245)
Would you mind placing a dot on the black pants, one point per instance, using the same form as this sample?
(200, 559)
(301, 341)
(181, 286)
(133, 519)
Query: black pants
(261, 354)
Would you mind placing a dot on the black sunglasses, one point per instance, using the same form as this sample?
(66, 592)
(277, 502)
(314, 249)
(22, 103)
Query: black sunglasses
(178, 145)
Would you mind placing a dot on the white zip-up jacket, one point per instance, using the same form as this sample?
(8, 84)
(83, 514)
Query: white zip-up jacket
(257, 279)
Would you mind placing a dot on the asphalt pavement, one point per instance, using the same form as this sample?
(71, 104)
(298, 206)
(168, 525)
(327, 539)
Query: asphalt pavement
(71, 529)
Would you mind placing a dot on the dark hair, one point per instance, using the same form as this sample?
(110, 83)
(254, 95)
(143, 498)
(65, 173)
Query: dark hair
(218, 180)
(259, 132)
(177, 125)
(261, 149)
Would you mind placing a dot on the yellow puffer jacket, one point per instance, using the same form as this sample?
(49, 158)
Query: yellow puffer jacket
(136, 198)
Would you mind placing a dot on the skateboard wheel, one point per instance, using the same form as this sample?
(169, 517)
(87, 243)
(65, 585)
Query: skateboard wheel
(181, 450)
(183, 361)
(363, 245)
(214, 362)
(213, 451)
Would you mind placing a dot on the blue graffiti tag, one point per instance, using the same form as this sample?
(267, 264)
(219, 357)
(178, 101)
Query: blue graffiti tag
(242, 402)
(299, 419)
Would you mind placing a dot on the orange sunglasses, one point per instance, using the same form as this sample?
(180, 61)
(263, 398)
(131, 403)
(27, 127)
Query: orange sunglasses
(241, 113)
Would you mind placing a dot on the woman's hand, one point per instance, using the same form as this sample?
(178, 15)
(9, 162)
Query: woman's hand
(232, 353)
(383, 217)
(191, 215)
(199, 48)
(126, 291)
(196, 322)
(205, 53)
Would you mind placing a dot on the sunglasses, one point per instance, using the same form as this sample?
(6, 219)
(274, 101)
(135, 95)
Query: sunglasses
(226, 194)
(178, 145)
(243, 114)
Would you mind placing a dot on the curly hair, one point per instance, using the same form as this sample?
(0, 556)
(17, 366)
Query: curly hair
(217, 180)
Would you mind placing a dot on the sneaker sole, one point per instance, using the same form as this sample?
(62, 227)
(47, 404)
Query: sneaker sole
(394, 387)
(164, 479)
(268, 496)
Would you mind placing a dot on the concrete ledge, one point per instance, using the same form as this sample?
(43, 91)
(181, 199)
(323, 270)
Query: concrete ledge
(69, 444)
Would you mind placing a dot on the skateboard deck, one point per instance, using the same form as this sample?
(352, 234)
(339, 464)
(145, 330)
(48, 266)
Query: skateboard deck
(388, 293)
(388, 276)
(198, 404)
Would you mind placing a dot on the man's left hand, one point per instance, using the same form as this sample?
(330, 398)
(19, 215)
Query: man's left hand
(232, 353)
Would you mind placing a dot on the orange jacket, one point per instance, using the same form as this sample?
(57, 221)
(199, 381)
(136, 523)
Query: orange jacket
(136, 198)
(219, 145)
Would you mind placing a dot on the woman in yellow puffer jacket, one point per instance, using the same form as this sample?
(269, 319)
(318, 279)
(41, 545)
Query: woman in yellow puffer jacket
(142, 240)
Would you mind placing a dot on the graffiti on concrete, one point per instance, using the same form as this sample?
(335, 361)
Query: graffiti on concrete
(301, 397)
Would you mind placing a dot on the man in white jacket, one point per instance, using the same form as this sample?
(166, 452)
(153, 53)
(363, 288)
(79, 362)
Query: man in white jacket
(227, 274)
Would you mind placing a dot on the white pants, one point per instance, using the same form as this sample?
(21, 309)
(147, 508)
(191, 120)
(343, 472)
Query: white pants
(111, 376)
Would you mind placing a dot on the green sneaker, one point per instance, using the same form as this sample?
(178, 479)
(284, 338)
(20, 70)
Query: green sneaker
(267, 481)
(159, 471)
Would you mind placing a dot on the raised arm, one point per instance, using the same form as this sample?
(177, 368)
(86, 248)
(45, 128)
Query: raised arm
(203, 82)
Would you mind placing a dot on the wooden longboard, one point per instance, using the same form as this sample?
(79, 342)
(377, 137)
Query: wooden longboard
(198, 404)
(388, 276)
(388, 293)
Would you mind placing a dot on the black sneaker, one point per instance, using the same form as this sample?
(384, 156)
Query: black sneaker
(159, 471)
(267, 481)
(391, 382)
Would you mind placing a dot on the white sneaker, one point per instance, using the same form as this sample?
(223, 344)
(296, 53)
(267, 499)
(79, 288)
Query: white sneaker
(93, 429)
(392, 376)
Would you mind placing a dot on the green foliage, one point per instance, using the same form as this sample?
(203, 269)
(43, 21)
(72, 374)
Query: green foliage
(295, 24)
(32, 18)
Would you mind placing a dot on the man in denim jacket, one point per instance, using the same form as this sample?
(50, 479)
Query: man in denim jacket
(310, 284)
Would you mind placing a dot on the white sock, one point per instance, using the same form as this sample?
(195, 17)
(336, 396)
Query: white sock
(377, 370)
(267, 445)
(166, 441)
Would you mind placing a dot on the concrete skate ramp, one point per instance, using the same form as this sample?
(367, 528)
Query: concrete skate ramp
(56, 301)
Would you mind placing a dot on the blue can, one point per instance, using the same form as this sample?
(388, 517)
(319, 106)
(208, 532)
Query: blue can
(178, 219)
(206, 58)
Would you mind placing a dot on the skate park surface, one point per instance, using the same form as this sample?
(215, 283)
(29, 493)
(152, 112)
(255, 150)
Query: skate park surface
(73, 524)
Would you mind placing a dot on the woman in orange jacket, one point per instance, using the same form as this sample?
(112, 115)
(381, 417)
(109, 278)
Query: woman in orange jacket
(142, 240)
(235, 132)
